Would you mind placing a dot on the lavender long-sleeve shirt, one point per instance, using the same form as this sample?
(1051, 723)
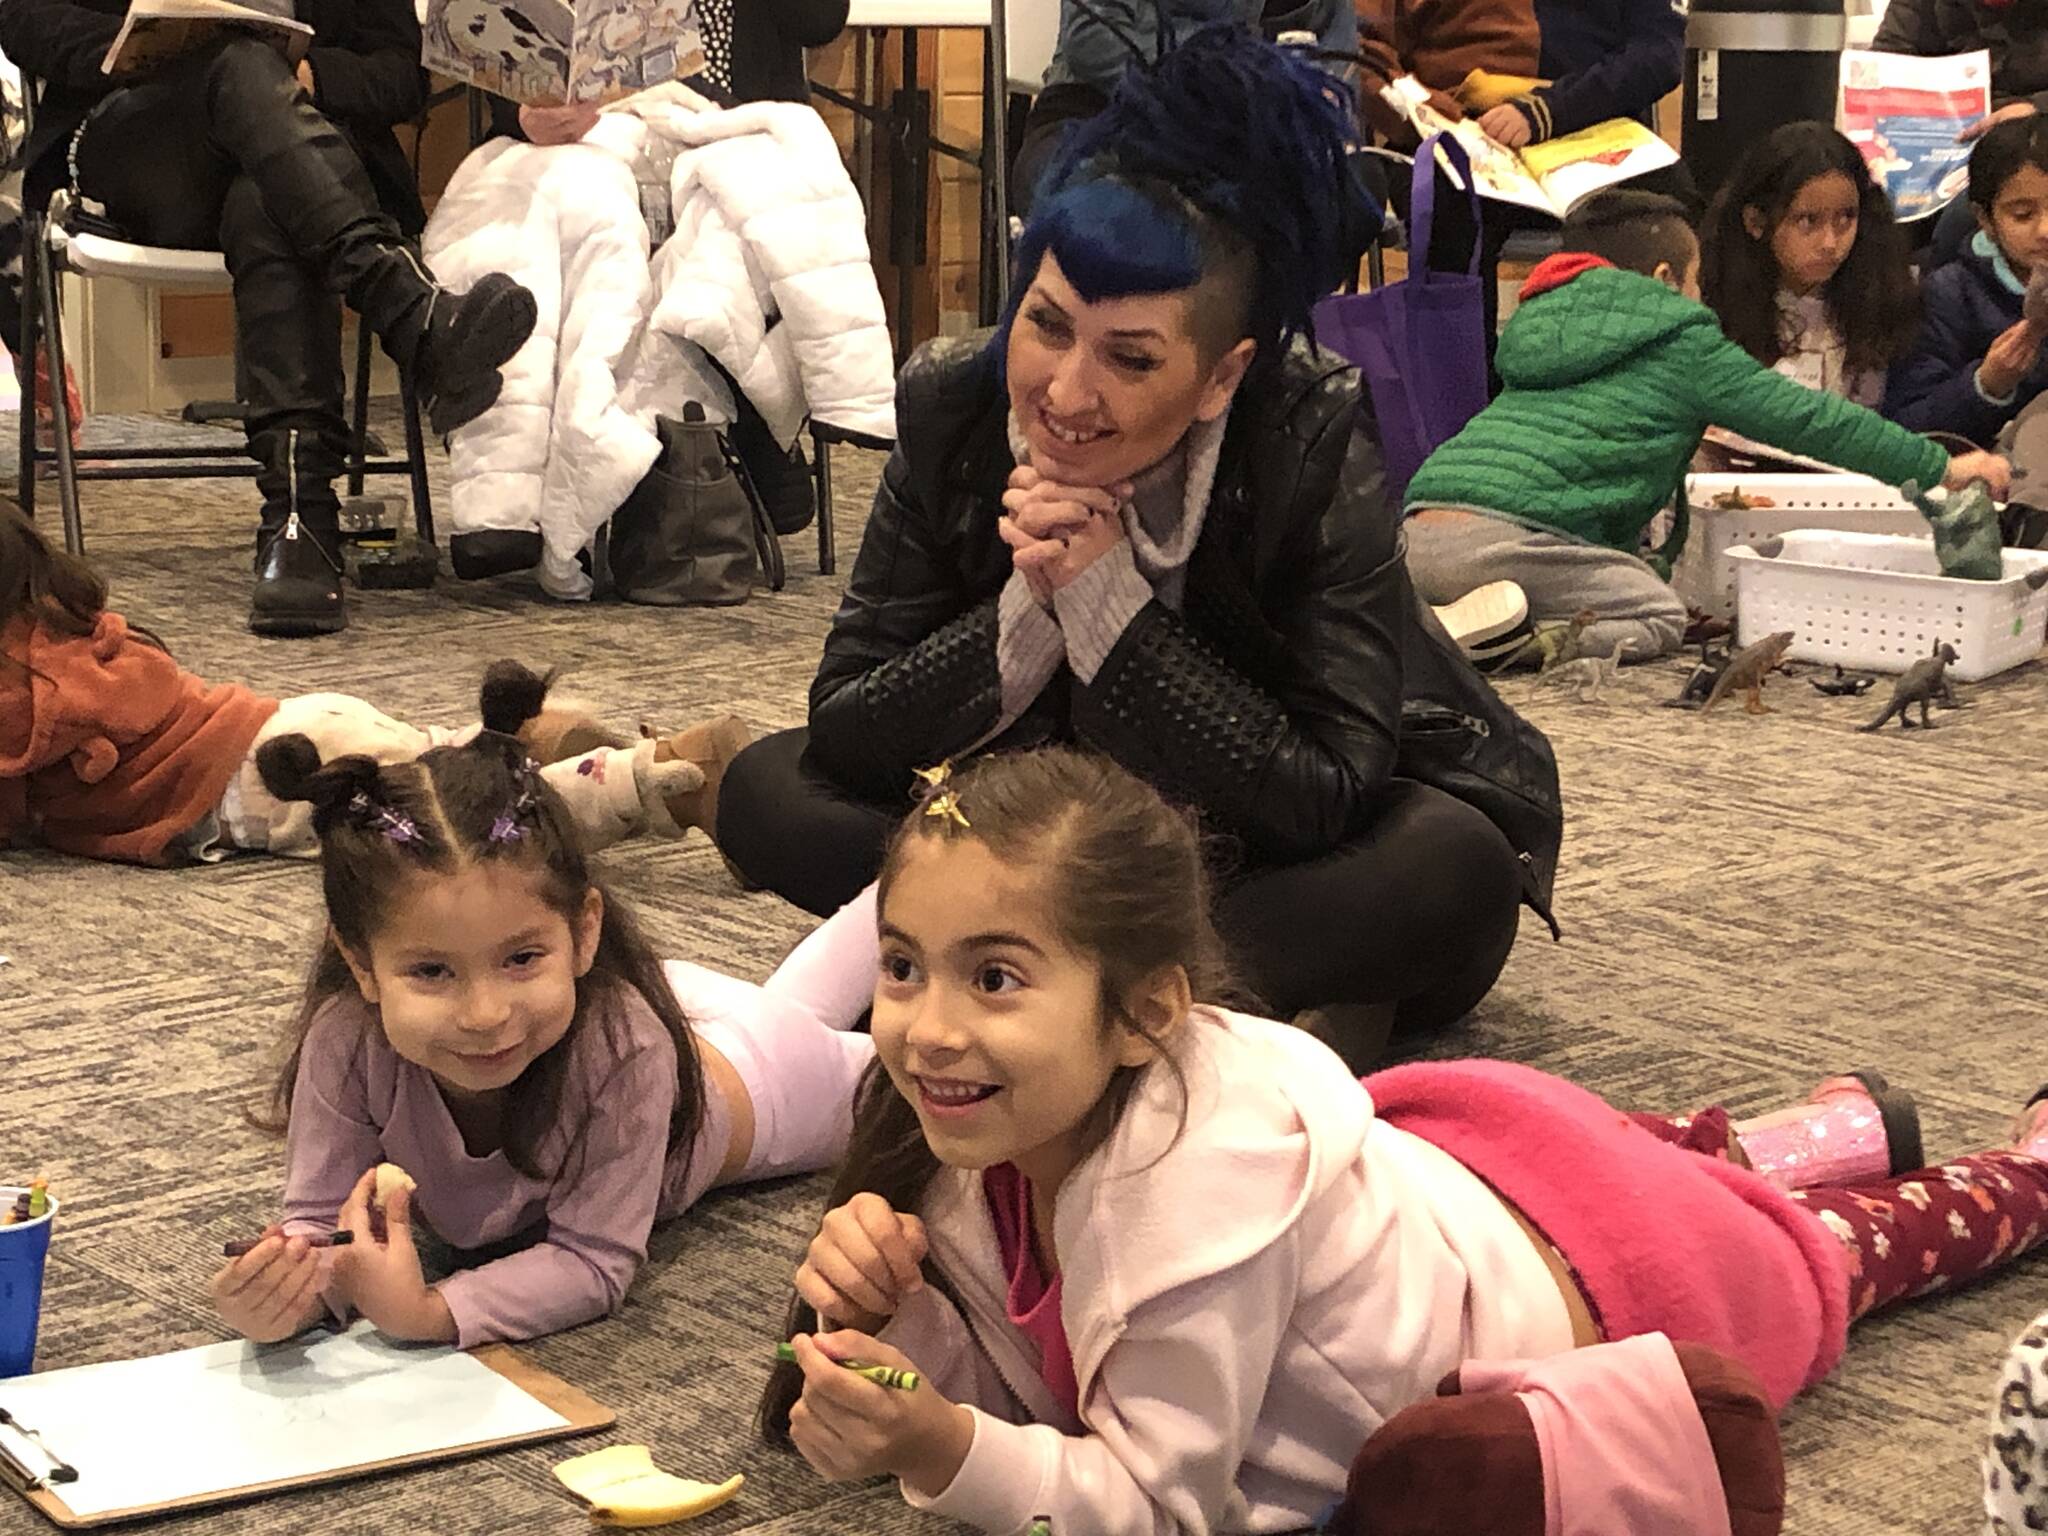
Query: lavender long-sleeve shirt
(358, 1103)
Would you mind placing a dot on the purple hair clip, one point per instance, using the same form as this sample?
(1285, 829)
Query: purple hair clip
(395, 825)
(506, 828)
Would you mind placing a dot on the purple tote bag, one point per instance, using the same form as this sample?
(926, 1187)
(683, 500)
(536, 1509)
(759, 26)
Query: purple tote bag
(1419, 344)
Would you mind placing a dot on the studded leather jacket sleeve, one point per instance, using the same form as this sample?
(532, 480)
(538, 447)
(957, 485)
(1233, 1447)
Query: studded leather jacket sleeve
(1292, 764)
(909, 675)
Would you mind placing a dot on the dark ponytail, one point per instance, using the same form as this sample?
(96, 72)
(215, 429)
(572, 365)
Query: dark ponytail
(447, 810)
(53, 588)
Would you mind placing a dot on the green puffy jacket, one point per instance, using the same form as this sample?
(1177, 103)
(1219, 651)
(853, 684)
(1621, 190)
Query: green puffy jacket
(1611, 378)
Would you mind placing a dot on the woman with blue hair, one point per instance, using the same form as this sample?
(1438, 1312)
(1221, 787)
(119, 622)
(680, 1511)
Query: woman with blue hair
(1147, 516)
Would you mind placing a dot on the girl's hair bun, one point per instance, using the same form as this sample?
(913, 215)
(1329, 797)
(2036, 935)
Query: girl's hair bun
(291, 769)
(511, 695)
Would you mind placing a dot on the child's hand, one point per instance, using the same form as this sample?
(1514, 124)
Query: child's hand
(2011, 358)
(384, 1280)
(1991, 468)
(2004, 114)
(848, 1427)
(1506, 126)
(863, 1262)
(272, 1291)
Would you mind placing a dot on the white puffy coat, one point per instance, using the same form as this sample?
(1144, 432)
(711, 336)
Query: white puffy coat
(767, 272)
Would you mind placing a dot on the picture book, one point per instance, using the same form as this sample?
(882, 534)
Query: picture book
(552, 51)
(1552, 177)
(155, 31)
(1904, 113)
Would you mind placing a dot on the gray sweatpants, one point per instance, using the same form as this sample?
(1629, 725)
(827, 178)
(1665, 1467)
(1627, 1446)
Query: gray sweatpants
(1450, 553)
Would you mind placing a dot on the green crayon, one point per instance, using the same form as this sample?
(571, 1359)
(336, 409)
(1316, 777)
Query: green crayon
(880, 1375)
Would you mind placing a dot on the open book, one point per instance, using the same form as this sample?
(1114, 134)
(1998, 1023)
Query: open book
(533, 51)
(159, 30)
(1552, 177)
(1904, 114)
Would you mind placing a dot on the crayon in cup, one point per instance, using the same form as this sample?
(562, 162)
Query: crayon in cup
(31, 1204)
(880, 1375)
(246, 1245)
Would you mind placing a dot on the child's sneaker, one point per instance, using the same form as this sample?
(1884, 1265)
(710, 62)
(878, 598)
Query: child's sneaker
(1488, 621)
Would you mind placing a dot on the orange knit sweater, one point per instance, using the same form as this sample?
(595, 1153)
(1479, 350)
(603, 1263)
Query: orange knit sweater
(108, 748)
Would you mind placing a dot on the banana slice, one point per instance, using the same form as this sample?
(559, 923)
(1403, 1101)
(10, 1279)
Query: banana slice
(390, 1180)
(623, 1487)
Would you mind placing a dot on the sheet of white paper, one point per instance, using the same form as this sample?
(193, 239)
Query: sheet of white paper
(201, 1421)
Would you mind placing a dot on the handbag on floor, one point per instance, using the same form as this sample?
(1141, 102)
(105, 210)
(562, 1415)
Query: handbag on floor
(1420, 343)
(690, 534)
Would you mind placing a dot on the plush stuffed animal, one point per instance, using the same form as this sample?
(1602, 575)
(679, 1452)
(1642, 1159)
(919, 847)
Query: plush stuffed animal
(1967, 541)
(1641, 1436)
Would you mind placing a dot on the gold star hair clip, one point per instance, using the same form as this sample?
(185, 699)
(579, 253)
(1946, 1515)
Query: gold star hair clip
(939, 798)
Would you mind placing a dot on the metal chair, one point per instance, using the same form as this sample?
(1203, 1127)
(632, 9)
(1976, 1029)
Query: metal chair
(823, 435)
(52, 244)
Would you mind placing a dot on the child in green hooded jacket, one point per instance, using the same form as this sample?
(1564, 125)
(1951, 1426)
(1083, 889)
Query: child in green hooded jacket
(1613, 370)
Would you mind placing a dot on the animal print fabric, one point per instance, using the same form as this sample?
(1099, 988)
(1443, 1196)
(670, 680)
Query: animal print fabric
(1935, 1229)
(2016, 1446)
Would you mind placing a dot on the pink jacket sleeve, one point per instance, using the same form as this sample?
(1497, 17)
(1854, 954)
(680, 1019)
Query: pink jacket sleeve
(598, 1218)
(1171, 1409)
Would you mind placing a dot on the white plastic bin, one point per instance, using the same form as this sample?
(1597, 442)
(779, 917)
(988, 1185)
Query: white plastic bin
(1705, 577)
(1880, 602)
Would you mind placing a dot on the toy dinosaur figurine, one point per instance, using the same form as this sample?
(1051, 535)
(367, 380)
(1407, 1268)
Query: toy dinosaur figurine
(1922, 683)
(1551, 645)
(1844, 685)
(1699, 683)
(1747, 670)
(1966, 533)
(1588, 674)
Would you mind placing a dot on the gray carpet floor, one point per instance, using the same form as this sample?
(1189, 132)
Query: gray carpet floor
(1748, 903)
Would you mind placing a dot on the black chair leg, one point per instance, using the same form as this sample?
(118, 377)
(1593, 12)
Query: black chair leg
(821, 454)
(60, 405)
(25, 365)
(359, 421)
(416, 461)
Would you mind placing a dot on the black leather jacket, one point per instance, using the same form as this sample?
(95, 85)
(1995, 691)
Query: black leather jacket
(1301, 674)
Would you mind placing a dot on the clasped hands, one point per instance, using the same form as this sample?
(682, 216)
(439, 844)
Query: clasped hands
(1055, 532)
(276, 1289)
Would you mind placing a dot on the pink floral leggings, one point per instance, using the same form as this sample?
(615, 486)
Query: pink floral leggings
(1925, 1231)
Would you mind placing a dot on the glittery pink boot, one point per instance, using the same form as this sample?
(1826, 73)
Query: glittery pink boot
(1852, 1129)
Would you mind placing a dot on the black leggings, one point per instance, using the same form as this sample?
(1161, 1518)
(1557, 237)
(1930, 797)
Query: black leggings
(1419, 911)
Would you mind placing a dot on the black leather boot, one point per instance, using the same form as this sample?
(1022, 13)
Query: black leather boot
(298, 545)
(312, 183)
(452, 344)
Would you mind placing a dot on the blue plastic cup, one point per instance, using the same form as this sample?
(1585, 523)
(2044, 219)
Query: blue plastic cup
(23, 1248)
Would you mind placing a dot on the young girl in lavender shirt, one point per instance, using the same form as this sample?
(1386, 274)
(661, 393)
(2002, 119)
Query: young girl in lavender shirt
(484, 1014)
(1165, 1268)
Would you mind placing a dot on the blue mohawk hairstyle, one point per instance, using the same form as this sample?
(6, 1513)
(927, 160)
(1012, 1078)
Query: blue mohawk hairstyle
(1226, 147)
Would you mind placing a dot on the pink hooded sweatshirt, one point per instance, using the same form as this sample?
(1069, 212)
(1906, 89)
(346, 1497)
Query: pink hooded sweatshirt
(1249, 1292)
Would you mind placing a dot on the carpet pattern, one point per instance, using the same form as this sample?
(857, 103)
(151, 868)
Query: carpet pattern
(1748, 903)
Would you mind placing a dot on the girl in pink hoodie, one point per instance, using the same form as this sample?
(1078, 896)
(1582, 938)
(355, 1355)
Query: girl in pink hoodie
(1161, 1267)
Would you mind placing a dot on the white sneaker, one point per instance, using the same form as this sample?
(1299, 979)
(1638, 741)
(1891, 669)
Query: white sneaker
(1485, 613)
